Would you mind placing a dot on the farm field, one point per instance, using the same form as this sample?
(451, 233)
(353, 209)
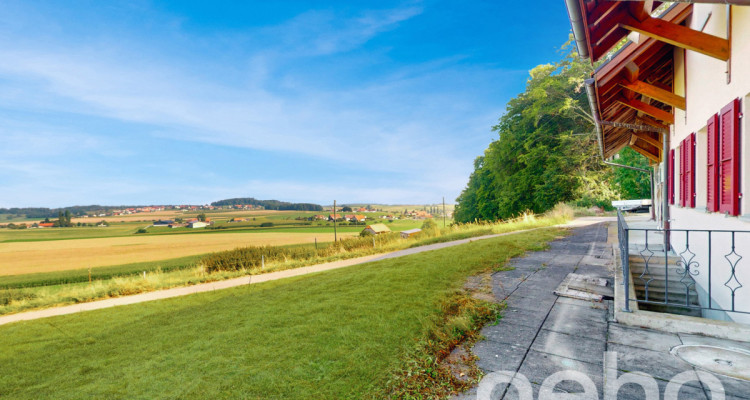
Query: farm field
(339, 334)
(56, 255)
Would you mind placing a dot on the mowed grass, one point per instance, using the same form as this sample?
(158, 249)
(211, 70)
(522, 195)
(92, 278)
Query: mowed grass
(46, 256)
(338, 334)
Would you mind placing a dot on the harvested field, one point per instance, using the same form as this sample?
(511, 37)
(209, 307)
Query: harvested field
(30, 257)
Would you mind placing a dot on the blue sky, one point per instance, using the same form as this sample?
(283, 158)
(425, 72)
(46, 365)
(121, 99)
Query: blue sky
(175, 102)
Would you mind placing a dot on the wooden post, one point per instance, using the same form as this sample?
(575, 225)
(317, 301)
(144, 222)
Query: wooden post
(443, 211)
(89, 274)
(262, 262)
(144, 274)
(334, 221)
(373, 241)
(316, 243)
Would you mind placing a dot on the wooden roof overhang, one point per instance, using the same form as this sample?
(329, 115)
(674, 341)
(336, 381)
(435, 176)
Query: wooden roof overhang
(633, 98)
(635, 87)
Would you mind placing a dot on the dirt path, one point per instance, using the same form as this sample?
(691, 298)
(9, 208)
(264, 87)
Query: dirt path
(251, 279)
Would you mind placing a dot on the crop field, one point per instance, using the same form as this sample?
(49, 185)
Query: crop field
(56, 255)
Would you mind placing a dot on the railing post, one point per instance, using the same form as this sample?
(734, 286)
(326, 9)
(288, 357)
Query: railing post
(626, 270)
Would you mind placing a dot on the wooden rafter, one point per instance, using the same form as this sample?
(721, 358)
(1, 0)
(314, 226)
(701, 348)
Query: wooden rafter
(651, 156)
(648, 109)
(648, 139)
(680, 36)
(656, 93)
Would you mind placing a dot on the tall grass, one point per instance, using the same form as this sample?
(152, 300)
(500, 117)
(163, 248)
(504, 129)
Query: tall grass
(260, 259)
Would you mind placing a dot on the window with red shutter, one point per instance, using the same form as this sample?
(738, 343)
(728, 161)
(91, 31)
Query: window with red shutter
(712, 172)
(670, 177)
(690, 171)
(729, 159)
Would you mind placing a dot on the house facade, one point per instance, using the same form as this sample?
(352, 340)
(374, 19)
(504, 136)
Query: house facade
(677, 92)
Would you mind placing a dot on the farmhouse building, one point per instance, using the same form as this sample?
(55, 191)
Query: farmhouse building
(678, 92)
(163, 222)
(197, 224)
(409, 233)
(359, 218)
(377, 229)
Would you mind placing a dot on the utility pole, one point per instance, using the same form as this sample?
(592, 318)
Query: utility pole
(443, 211)
(334, 221)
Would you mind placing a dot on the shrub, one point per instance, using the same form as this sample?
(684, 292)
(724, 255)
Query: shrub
(266, 224)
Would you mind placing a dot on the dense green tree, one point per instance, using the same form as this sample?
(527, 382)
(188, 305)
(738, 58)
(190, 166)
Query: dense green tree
(202, 217)
(546, 151)
(632, 184)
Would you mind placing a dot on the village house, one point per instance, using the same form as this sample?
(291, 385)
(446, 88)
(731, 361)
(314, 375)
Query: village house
(197, 224)
(677, 93)
(359, 218)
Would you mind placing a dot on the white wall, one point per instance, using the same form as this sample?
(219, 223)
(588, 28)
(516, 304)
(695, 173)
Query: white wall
(707, 91)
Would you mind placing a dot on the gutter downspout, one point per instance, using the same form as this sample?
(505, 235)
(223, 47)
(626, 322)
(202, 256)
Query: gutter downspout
(579, 29)
(650, 173)
(591, 92)
(665, 191)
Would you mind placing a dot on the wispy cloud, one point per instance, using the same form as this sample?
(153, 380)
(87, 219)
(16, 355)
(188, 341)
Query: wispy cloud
(404, 122)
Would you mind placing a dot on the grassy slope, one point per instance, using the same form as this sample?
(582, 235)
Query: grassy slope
(337, 334)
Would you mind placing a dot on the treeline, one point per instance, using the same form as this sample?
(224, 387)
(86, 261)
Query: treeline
(40, 212)
(268, 204)
(546, 152)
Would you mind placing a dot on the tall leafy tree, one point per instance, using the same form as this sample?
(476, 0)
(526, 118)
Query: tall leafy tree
(632, 184)
(546, 151)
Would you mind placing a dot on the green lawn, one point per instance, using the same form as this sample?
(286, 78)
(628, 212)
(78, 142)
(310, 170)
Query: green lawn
(338, 334)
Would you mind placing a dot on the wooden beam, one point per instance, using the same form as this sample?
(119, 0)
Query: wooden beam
(648, 109)
(680, 36)
(648, 139)
(641, 10)
(656, 93)
(646, 120)
(645, 153)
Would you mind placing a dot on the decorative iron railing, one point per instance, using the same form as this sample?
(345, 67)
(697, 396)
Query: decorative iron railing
(710, 256)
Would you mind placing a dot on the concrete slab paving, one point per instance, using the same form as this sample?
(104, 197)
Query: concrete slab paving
(495, 356)
(510, 333)
(574, 347)
(539, 366)
(658, 364)
(643, 338)
(532, 318)
(541, 334)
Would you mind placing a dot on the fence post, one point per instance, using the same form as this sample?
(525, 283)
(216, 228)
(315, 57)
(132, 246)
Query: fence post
(626, 270)
(262, 262)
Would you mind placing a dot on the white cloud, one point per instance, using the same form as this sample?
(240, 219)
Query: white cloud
(403, 123)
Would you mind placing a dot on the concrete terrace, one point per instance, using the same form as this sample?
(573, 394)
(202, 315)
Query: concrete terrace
(541, 333)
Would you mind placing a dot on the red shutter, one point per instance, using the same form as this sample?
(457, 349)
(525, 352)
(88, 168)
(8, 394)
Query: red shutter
(690, 170)
(682, 174)
(670, 177)
(729, 159)
(712, 175)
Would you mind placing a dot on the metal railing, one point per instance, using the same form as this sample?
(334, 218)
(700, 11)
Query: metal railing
(709, 255)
